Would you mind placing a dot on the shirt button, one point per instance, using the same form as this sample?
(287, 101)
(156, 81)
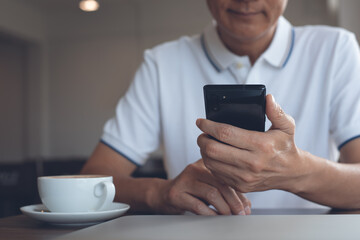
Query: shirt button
(239, 65)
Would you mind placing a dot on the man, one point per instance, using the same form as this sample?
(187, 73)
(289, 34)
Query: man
(311, 71)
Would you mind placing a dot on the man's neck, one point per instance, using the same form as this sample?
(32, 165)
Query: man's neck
(252, 48)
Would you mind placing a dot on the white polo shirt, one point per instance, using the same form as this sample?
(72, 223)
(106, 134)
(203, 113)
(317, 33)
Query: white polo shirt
(312, 71)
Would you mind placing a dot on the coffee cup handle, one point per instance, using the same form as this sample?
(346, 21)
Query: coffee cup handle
(109, 192)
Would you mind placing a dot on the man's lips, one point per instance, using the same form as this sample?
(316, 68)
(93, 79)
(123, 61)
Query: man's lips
(243, 13)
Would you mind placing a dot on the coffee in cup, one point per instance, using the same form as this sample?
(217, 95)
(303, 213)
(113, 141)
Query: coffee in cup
(76, 193)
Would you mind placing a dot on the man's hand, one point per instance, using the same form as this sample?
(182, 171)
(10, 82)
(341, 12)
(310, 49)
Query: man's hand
(251, 161)
(194, 189)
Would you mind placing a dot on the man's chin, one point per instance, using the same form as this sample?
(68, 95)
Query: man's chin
(246, 36)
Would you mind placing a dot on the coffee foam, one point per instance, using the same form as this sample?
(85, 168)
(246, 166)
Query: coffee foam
(75, 176)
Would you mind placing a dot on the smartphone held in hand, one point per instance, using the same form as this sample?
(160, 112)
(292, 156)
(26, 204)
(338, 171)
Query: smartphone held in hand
(241, 105)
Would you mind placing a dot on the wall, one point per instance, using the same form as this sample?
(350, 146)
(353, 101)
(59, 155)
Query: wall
(26, 27)
(21, 20)
(304, 12)
(349, 16)
(12, 82)
(93, 58)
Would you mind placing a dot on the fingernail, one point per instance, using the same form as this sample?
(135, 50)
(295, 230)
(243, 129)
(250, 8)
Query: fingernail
(247, 210)
(197, 122)
(242, 213)
(273, 98)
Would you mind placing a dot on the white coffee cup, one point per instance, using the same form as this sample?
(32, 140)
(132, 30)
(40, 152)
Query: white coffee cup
(76, 193)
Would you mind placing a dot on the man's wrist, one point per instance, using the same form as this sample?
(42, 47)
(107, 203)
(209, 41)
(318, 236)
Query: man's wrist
(310, 176)
(154, 194)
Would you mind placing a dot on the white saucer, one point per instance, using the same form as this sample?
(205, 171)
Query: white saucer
(40, 212)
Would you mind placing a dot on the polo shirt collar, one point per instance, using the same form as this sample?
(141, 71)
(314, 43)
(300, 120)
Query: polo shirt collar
(277, 53)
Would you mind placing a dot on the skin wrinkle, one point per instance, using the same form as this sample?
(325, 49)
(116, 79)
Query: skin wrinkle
(206, 153)
(250, 139)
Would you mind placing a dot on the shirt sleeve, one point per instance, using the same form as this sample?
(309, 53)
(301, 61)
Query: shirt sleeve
(345, 101)
(134, 131)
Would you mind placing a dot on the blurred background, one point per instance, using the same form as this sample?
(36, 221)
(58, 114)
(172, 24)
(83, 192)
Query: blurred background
(62, 71)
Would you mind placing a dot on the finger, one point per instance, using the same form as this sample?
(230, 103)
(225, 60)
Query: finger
(278, 118)
(238, 137)
(245, 201)
(229, 175)
(190, 203)
(211, 195)
(213, 179)
(211, 148)
(235, 203)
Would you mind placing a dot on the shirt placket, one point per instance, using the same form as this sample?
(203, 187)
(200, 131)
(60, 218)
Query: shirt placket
(240, 70)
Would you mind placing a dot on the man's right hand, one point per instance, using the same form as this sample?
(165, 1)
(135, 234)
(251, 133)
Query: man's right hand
(193, 190)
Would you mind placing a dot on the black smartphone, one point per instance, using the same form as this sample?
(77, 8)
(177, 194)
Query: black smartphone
(241, 105)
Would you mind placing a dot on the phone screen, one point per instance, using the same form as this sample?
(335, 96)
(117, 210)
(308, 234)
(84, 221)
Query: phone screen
(242, 106)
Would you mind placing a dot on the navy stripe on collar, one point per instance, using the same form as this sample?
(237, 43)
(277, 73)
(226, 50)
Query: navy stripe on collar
(203, 45)
(218, 69)
(291, 47)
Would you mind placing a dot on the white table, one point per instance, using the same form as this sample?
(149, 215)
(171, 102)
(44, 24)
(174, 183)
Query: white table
(224, 227)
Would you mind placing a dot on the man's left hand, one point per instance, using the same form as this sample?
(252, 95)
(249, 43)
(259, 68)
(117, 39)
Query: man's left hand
(251, 161)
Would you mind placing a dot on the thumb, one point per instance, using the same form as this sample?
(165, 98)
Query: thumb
(278, 118)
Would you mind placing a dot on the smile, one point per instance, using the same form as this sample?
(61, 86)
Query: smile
(244, 14)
